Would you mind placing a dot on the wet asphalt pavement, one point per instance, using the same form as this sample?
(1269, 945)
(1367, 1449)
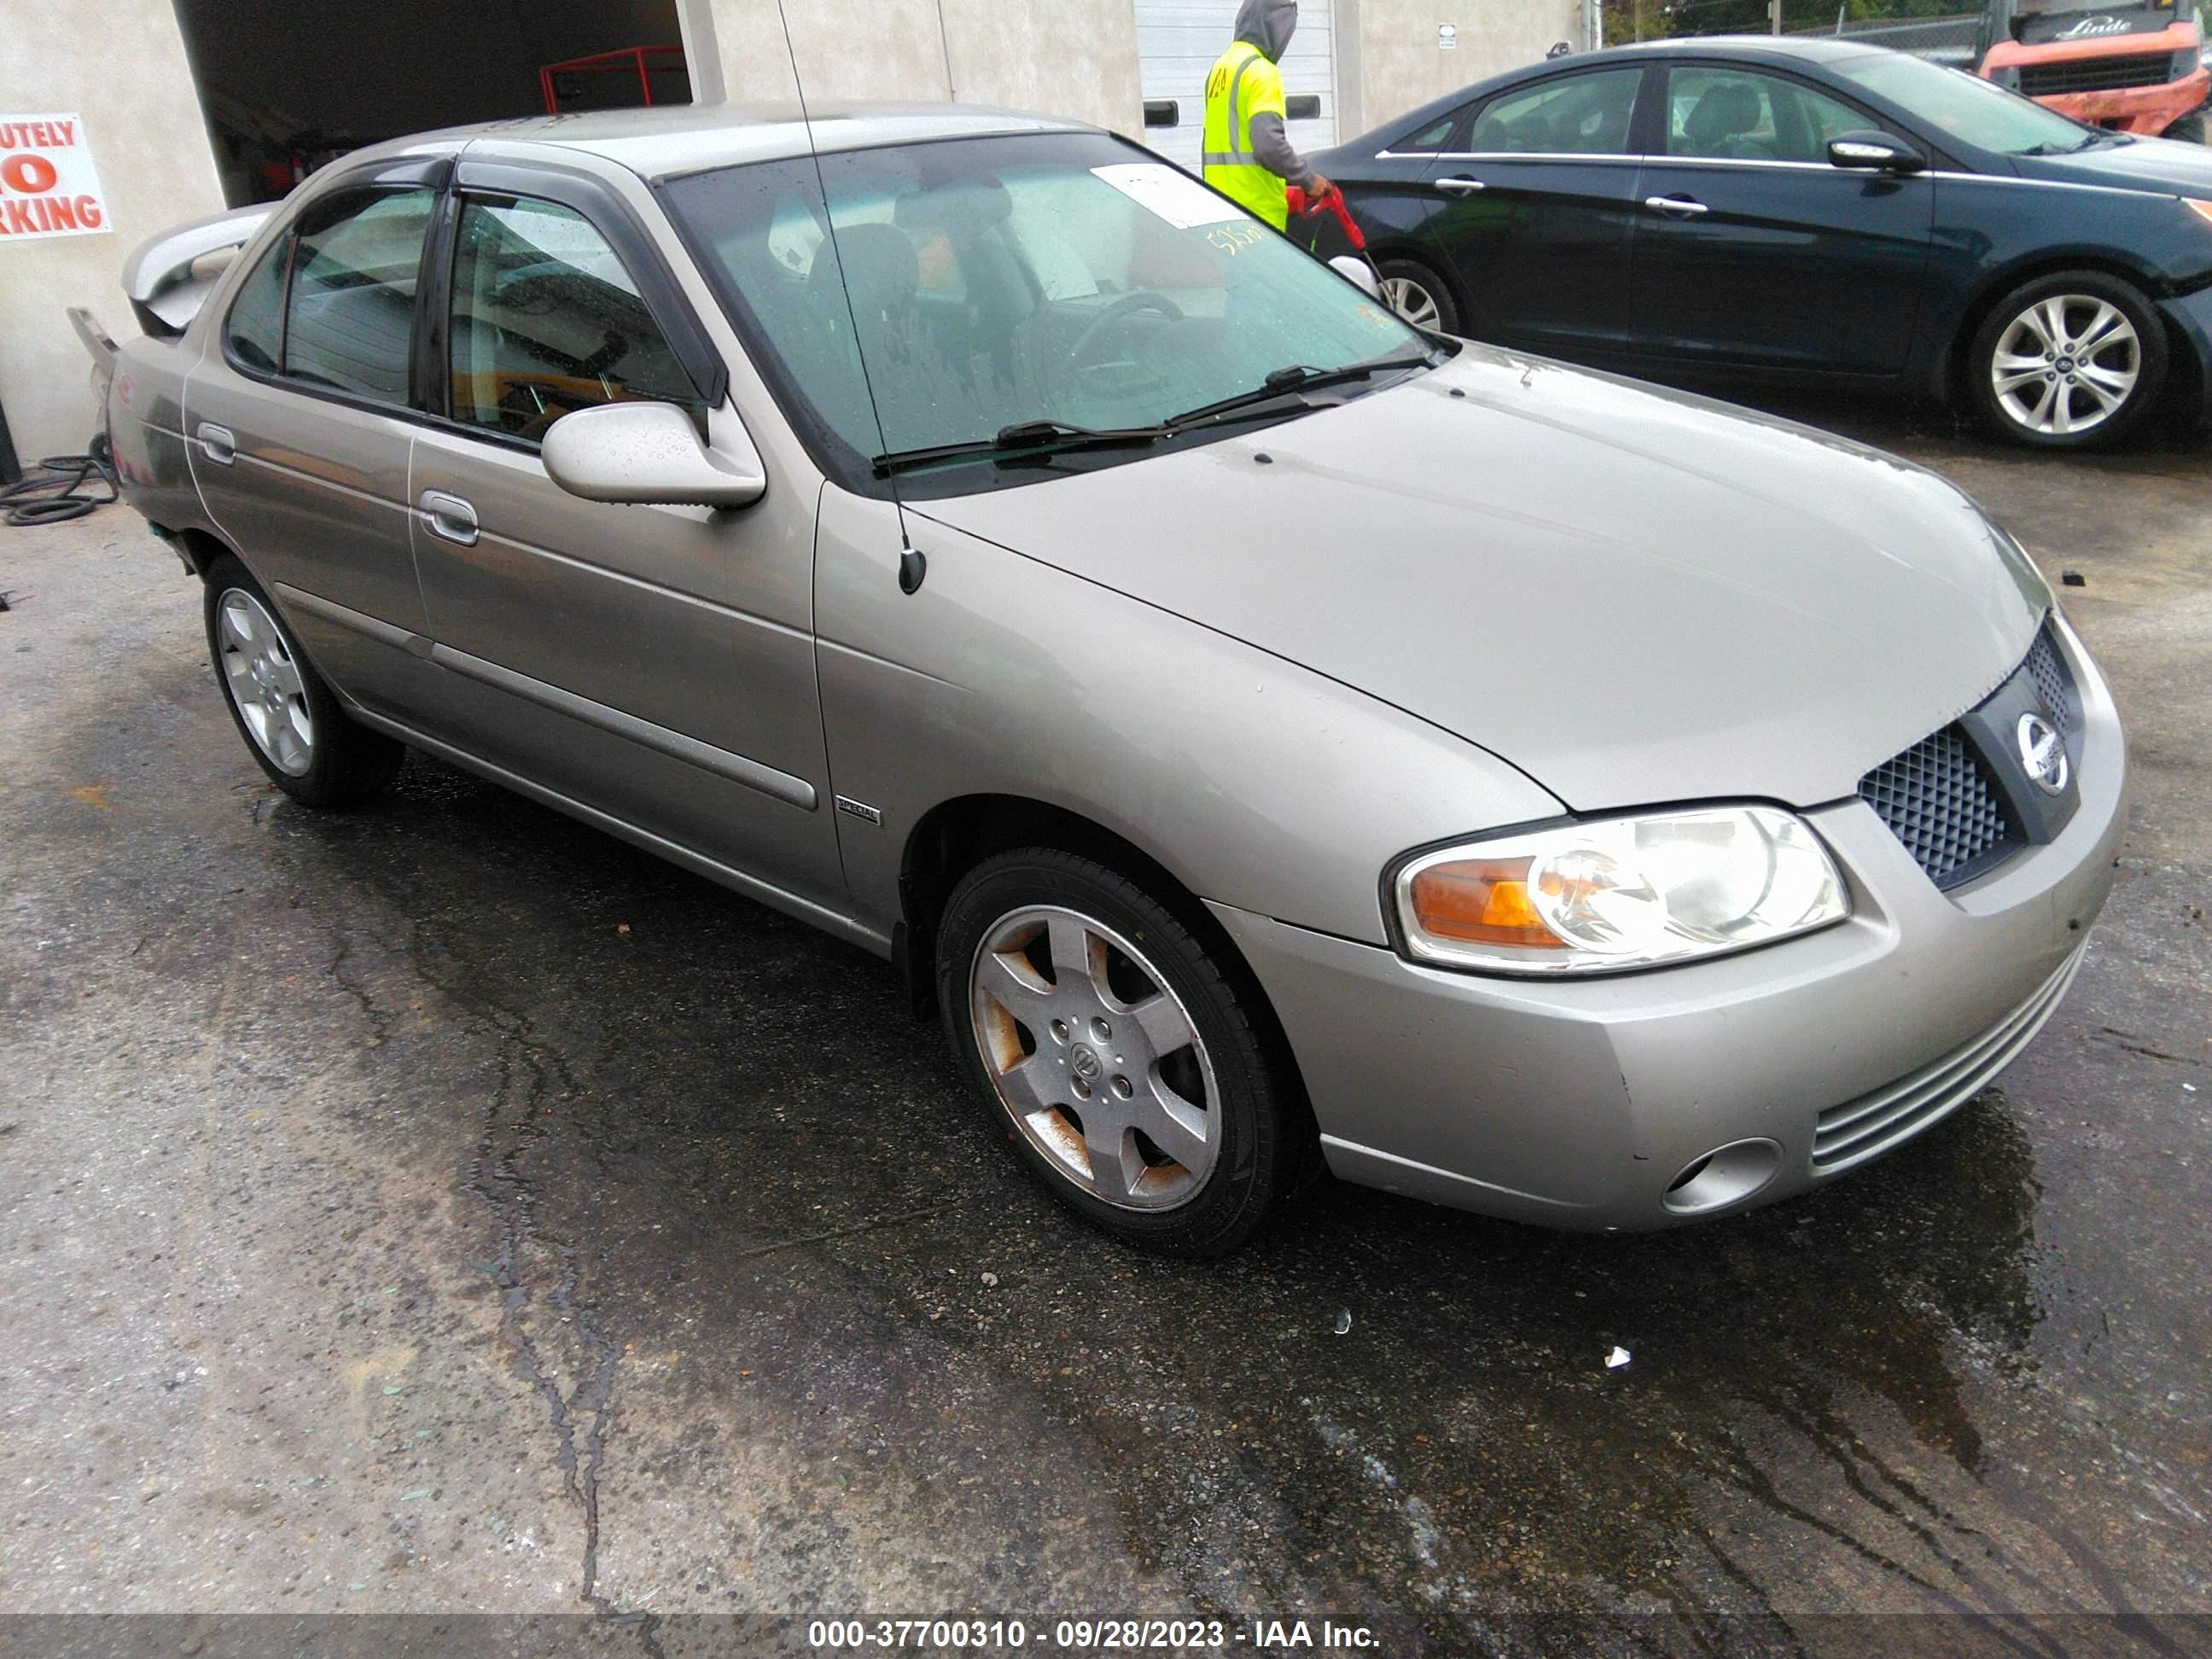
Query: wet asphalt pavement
(444, 1206)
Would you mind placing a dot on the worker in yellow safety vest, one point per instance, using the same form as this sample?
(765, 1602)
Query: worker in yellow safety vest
(1247, 157)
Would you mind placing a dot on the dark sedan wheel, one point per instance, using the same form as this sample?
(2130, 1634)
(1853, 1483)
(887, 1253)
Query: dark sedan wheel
(2067, 362)
(290, 718)
(1126, 1064)
(1419, 294)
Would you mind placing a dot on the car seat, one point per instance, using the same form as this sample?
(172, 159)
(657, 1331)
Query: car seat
(1723, 118)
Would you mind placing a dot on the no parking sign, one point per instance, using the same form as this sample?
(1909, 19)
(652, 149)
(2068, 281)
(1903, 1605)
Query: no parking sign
(47, 184)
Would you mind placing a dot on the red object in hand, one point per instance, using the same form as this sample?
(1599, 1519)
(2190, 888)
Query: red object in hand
(1332, 203)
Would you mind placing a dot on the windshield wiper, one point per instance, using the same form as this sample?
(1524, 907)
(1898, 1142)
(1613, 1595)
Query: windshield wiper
(1293, 379)
(1040, 439)
(1022, 440)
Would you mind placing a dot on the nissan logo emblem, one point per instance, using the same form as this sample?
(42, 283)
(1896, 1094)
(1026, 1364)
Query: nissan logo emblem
(2043, 754)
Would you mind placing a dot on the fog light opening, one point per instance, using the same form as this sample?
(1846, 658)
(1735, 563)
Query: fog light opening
(1726, 1175)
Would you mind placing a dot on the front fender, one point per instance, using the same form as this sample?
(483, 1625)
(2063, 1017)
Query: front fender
(1253, 782)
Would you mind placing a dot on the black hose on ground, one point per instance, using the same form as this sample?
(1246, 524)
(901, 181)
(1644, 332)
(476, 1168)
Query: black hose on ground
(58, 490)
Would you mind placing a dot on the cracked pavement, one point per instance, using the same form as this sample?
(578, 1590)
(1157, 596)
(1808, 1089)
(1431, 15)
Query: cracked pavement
(444, 1206)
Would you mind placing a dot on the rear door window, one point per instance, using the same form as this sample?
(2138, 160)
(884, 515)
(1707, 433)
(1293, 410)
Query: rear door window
(1585, 114)
(254, 335)
(547, 320)
(351, 316)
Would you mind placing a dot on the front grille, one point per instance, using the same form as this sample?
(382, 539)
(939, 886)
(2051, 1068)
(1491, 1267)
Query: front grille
(2096, 74)
(1860, 1129)
(1936, 799)
(2054, 682)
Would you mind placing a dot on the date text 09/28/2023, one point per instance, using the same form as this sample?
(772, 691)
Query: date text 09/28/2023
(1090, 1635)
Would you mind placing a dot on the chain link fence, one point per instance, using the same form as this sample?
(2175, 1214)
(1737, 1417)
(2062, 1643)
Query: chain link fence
(1935, 29)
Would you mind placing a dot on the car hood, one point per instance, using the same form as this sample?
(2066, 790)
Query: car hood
(1633, 595)
(2159, 164)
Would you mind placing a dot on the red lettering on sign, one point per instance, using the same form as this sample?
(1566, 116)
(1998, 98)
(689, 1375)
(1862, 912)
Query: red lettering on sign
(61, 213)
(67, 131)
(19, 215)
(88, 212)
(28, 174)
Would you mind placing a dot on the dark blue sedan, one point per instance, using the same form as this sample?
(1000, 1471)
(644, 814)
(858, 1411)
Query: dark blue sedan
(1758, 210)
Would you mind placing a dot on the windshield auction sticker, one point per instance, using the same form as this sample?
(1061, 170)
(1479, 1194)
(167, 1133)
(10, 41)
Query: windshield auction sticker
(47, 184)
(1174, 196)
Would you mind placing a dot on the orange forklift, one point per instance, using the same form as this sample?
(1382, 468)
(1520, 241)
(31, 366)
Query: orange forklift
(2136, 69)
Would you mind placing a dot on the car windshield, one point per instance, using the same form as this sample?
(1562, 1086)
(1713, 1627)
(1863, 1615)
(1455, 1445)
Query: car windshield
(979, 286)
(1966, 107)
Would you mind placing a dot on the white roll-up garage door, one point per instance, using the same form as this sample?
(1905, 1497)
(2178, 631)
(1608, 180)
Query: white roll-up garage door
(1177, 41)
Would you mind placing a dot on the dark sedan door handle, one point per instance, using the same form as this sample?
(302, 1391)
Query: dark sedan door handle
(1460, 186)
(1682, 207)
(449, 517)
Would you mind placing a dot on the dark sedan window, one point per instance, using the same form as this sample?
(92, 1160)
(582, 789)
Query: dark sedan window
(351, 314)
(547, 320)
(1576, 115)
(1431, 138)
(1736, 114)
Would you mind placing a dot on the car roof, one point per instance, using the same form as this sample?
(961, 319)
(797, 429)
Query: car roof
(670, 139)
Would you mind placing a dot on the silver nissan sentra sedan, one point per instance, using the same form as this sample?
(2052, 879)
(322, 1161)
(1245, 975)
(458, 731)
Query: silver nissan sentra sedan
(1266, 734)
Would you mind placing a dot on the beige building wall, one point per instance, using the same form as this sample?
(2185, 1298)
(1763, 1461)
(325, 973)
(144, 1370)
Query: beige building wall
(1074, 58)
(120, 66)
(1387, 55)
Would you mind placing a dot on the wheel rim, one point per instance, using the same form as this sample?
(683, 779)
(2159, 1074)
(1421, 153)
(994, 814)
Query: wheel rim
(2066, 365)
(265, 682)
(1096, 1061)
(1411, 300)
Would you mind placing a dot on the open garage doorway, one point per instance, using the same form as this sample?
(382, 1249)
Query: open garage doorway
(287, 85)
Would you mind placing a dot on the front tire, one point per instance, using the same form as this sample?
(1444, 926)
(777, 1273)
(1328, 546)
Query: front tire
(2070, 360)
(288, 714)
(1419, 296)
(1129, 1066)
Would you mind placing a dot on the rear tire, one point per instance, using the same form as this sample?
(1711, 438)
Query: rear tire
(288, 714)
(1419, 296)
(1129, 1066)
(2075, 360)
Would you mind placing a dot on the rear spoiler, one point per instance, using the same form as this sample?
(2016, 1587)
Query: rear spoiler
(161, 279)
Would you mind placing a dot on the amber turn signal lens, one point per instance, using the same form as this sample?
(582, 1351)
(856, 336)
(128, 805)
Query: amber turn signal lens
(1480, 902)
(2202, 210)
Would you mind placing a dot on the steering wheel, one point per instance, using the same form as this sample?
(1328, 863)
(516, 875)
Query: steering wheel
(1079, 369)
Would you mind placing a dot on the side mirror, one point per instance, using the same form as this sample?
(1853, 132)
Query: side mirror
(1357, 272)
(650, 453)
(1870, 151)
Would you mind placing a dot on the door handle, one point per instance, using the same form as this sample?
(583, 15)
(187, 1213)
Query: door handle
(1460, 186)
(217, 444)
(1681, 206)
(449, 517)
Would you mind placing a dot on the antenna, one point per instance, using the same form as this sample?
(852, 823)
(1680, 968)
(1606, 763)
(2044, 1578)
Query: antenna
(913, 564)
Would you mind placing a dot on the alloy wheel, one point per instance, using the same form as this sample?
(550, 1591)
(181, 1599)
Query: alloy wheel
(265, 682)
(1411, 300)
(2066, 365)
(1096, 1061)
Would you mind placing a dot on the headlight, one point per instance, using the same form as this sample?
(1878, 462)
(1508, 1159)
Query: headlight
(1617, 893)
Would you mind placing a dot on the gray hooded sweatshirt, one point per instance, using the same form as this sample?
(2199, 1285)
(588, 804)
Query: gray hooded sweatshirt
(1269, 25)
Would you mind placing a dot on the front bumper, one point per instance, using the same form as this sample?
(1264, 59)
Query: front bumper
(1577, 1103)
